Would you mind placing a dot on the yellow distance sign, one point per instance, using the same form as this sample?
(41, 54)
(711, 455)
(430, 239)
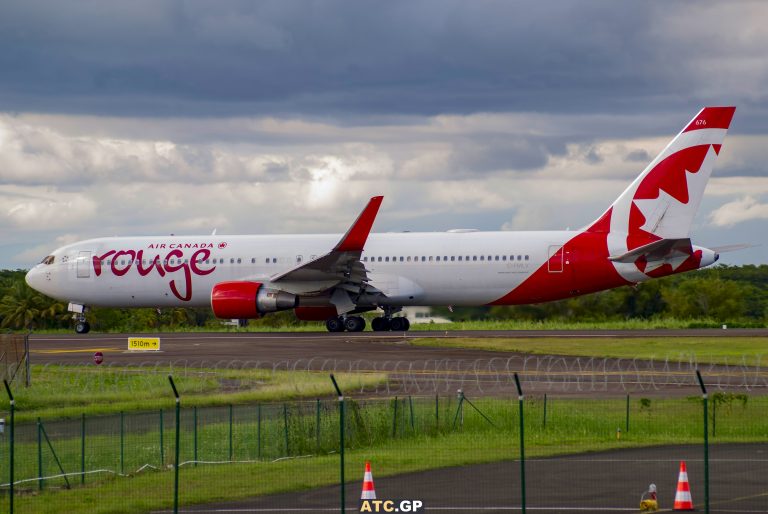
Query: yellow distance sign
(144, 343)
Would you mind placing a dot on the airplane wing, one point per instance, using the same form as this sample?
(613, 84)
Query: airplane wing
(340, 268)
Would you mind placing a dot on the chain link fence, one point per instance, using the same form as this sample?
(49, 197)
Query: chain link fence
(455, 452)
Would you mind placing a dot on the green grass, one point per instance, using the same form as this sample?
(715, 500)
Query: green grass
(552, 324)
(719, 350)
(63, 391)
(573, 426)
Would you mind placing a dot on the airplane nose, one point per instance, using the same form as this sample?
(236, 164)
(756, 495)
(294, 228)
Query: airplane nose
(34, 279)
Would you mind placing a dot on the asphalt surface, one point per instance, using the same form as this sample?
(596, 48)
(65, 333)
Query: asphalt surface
(416, 369)
(597, 482)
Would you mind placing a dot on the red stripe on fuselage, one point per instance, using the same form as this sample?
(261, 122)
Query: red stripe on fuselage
(586, 269)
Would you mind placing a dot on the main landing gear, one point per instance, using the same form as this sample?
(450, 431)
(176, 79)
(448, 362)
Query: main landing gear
(383, 323)
(350, 324)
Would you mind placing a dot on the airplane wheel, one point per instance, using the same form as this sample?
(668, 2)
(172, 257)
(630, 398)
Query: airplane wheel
(399, 324)
(354, 324)
(335, 325)
(380, 324)
(82, 327)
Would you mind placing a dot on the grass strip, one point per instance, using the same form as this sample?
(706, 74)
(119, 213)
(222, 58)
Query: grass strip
(63, 391)
(752, 351)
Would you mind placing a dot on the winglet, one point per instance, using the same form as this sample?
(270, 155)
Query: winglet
(355, 238)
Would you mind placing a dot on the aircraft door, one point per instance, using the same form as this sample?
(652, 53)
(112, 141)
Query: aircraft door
(84, 265)
(555, 259)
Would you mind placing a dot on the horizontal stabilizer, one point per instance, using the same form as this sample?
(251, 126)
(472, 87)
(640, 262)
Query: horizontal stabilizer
(656, 251)
(733, 248)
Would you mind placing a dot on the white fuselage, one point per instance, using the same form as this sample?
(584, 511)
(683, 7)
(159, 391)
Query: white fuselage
(432, 268)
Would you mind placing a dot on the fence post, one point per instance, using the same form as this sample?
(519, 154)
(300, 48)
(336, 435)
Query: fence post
(522, 441)
(459, 409)
(317, 426)
(705, 402)
(714, 415)
(626, 425)
(258, 431)
(122, 443)
(162, 445)
(341, 442)
(544, 424)
(285, 429)
(39, 455)
(11, 442)
(194, 431)
(176, 458)
(82, 449)
(413, 423)
(394, 420)
(437, 413)
(231, 416)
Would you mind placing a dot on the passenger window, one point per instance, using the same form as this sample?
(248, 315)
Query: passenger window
(445, 257)
(253, 260)
(482, 257)
(519, 257)
(239, 260)
(431, 258)
(409, 258)
(526, 257)
(474, 257)
(438, 258)
(503, 257)
(274, 260)
(386, 259)
(423, 258)
(401, 259)
(496, 258)
(453, 258)
(267, 261)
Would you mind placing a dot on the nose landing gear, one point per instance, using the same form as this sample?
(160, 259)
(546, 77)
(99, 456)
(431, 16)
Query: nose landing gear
(81, 325)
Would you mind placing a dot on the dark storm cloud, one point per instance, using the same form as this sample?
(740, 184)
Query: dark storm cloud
(336, 58)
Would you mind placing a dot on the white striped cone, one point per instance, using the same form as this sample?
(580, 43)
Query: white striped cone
(683, 499)
(369, 493)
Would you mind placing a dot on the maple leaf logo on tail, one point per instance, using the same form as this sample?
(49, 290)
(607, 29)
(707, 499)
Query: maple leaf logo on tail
(662, 202)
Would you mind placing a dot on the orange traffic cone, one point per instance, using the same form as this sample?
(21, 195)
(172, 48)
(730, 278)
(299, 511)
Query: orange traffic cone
(683, 495)
(369, 493)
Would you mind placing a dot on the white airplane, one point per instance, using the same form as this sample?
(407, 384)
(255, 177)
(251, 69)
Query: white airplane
(644, 234)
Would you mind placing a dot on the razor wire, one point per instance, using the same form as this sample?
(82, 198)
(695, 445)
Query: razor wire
(541, 373)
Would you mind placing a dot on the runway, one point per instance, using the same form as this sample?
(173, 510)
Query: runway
(610, 481)
(416, 369)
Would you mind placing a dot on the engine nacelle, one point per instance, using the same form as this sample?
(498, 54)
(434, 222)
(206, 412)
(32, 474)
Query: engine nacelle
(248, 300)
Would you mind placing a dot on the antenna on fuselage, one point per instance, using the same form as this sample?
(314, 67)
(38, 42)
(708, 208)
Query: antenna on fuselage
(214, 232)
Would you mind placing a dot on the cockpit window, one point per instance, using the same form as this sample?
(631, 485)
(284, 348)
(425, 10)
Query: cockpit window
(48, 260)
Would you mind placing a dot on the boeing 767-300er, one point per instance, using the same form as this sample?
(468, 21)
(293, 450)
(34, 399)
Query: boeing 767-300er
(643, 235)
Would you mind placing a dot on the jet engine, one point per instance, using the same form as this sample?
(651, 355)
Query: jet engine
(248, 300)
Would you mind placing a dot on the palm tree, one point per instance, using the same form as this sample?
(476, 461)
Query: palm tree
(21, 307)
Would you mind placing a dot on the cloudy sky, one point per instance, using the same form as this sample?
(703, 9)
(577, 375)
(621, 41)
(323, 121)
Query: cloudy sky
(127, 118)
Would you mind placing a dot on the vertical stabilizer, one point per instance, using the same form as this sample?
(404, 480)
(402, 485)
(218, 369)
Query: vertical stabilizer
(662, 202)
